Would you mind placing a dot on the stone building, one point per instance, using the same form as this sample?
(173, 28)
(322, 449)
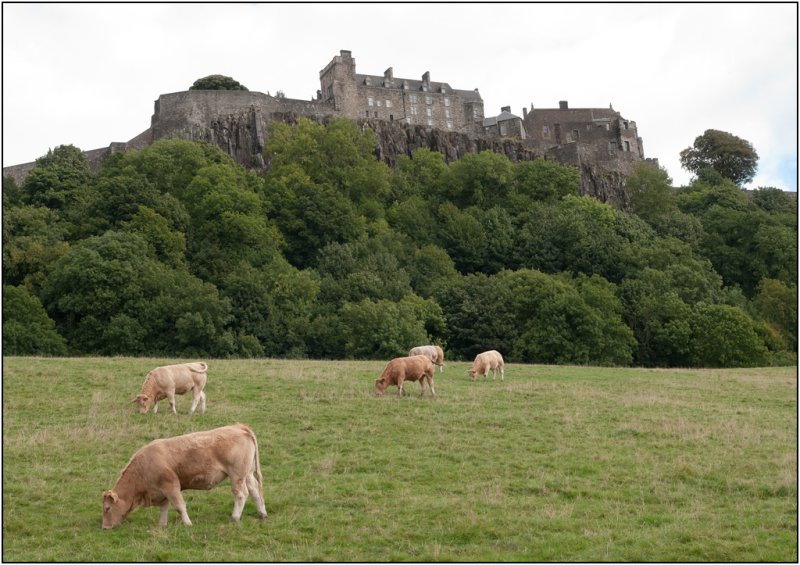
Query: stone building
(604, 130)
(414, 102)
(505, 124)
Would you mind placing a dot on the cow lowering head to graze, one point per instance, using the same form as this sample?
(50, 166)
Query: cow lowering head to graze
(434, 352)
(159, 471)
(486, 361)
(401, 369)
(166, 382)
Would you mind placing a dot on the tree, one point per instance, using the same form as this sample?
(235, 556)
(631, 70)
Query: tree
(732, 157)
(724, 336)
(651, 193)
(27, 329)
(216, 82)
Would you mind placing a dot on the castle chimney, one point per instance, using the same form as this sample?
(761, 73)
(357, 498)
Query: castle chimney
(506, 109)
(388, 74)
(524, 112)
(426, 78)
(563, 105)
(345, 54)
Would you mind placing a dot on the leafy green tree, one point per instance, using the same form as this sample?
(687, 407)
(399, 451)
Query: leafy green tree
(481, 179)
(462, 236)
(59, 181)
(216, 82)
(274, 304)
(430, 267)
(414, 217)
(109, 296)
(33, 238)
(732, 157)
(651, 194)
(338, 154)
(27, 329)
(418, 176)
(776, 303)
(169, 246)
(724, 336)
(775, 201)
(545, 180)
(384, 329)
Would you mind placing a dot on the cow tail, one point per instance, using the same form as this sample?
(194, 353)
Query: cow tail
(259, 478)
(203, 370)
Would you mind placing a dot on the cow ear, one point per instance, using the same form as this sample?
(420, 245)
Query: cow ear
(111, 495)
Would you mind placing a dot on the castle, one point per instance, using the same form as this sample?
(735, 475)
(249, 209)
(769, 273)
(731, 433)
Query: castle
(405, 114)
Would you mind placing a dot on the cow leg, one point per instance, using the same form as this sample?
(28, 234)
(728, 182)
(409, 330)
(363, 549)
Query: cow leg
(155, 407)
(400, 381)
(174, 496)
(171, 398)
(162, 521)
(202, 402)
(195, 400)
(255, 494)
(502, 374)
(239, 489)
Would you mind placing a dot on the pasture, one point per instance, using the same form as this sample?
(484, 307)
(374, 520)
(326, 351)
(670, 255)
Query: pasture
(554, 464)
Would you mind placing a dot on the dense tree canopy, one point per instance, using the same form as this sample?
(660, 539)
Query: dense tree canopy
(216, 82)
(177, 250)
(732, 157)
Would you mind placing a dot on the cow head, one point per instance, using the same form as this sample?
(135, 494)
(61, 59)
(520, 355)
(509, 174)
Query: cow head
(472, 374)
(143, 401)
(380, 386)
(114, 510)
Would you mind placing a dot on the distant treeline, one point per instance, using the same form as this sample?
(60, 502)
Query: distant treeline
(175, 250)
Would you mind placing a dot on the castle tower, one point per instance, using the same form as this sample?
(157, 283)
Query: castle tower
(338, 82)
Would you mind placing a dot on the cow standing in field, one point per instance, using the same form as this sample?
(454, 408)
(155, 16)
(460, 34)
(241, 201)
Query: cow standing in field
(401, 369)
(486, 361)
(159, 471)
(434, 352)
(166, 382)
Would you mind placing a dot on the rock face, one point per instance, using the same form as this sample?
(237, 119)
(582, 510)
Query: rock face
(238, 123)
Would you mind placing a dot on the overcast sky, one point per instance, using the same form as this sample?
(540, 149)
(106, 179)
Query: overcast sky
(88, 74)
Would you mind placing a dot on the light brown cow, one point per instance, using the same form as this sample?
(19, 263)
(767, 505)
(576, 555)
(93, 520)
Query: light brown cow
(401, 369)
(159, 471)
(166, 382)
(434, 352)
(486, 361)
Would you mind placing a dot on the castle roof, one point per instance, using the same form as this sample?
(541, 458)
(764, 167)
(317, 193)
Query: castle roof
(503, 116)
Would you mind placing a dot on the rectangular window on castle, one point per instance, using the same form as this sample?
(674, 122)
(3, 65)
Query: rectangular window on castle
(545, 131)
(413, 98)
(449, 125)
(371, 101)
(428, 100)
(430, 122)
(414, 110)
(428, 111)
(388, 103)
(446, 101)
(447, 112)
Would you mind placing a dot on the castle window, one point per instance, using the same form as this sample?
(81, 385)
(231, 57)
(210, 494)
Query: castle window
(449, 125)
(368, 113)
(430, 122)
(376, 114)
(371, 101)
(625, 124)
(414, 110)
(428, 100)
(627, 146)
(447, 112)
(545, 131)
(575, 135)
(388, 103)
(413, 98)
(429, 112)
(446, 101)
(612, 145)
(408, 120)
(378, 102)
(391, 117)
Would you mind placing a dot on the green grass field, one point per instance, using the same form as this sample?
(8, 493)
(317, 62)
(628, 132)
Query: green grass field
(554, 464)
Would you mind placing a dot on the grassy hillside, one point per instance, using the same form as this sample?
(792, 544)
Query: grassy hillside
(554, 463)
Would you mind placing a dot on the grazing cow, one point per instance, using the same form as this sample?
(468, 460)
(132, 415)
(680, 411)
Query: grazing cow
(166, 382)
(488, 360)
(401, 369)
(433, 351)
(159, 471)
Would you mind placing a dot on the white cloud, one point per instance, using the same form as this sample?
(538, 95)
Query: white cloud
(88, 74)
